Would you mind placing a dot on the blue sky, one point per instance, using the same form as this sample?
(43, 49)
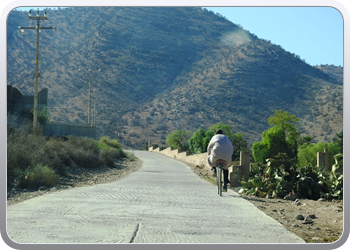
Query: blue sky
(313, 33)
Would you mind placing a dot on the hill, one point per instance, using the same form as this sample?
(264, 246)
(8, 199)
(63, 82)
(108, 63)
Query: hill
(170, 68)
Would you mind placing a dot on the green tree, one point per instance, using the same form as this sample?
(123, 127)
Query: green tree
(307, 140)
(208, 135)
(178, 139)
(338, 138)
(285, 120)
(307, 154)
(274, 142)
(196, 141)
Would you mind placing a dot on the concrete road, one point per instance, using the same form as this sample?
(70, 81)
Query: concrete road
(163, 202)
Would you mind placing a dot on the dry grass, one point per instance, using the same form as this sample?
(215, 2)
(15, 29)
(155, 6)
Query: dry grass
(33, 157)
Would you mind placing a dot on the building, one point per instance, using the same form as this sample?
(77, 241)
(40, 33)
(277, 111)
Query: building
(19, 111)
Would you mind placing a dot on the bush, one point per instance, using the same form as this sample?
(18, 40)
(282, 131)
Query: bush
(107, 156)
(57, 154)
(37, 176)
(82, 143)
(26, 149)
(111, 147)
(22, 149)
(280, 177)
(178, 139)
(307, 154)
(85, 159)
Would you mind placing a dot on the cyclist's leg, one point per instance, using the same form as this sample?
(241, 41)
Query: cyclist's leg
(211, 164)
(225, 179)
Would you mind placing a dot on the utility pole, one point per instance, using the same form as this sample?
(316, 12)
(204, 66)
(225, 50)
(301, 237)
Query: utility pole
(88, 73)
(37, 73)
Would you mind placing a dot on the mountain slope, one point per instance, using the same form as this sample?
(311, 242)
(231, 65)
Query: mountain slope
(169, 68)
(238, 89)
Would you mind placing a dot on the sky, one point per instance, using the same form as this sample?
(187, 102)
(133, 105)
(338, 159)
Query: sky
(313, 33)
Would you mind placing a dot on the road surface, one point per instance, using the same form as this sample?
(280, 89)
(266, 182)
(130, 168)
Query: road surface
(162, 202)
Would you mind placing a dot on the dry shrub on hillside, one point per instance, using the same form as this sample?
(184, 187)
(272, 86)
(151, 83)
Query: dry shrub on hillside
(27, 151)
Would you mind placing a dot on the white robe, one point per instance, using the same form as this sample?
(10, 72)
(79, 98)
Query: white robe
(220, 147)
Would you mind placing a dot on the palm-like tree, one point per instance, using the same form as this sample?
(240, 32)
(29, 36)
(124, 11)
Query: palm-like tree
(239, 144)
(339, 139)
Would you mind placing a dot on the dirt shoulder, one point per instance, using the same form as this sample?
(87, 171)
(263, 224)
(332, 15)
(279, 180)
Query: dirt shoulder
(313, 221)
(77, 177)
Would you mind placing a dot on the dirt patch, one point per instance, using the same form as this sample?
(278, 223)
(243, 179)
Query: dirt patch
(77, 177)
(314, 221)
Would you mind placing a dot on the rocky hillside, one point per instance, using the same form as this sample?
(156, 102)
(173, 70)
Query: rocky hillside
(170, 68)
(238, 89)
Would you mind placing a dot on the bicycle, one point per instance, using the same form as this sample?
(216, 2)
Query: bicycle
(219, 165)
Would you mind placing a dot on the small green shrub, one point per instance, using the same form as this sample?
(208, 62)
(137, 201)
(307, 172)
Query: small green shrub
(83, 143)
(111, 147)
(17, 158)
(55, 154)
(105, 142)
(37, 176)
(26, 149)
(131, 156)
(22, 149)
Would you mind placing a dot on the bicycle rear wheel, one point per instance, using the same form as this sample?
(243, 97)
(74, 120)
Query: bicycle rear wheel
(219, 179)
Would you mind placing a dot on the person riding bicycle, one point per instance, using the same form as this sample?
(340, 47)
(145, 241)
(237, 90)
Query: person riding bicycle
(220, 148)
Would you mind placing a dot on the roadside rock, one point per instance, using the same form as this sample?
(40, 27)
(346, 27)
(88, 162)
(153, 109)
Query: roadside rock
(291, 197)
(299, 217)
(307, 220)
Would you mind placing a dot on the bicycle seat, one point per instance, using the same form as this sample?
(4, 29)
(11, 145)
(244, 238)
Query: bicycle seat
(220, 162)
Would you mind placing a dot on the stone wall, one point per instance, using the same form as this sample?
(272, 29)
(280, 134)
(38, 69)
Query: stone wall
(236, 171)
(65, 129)
(197, 159)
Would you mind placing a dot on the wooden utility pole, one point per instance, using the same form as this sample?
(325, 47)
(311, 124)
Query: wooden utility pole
(37, 73)
(88, 73)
